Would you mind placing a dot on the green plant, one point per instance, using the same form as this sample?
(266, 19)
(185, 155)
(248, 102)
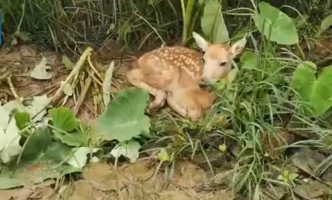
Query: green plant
(313, 91)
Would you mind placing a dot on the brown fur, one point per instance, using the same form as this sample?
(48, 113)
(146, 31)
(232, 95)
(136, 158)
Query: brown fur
(174, 74)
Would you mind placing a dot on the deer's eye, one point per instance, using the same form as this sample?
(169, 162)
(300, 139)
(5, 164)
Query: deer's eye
(222, 64)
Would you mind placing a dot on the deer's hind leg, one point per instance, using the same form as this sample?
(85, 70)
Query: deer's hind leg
(135, 77)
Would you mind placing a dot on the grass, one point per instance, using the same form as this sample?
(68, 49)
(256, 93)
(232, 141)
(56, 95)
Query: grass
(258, 102)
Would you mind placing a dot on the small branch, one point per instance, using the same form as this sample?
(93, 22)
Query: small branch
(83, 94)
(12, 88)
(73, 73)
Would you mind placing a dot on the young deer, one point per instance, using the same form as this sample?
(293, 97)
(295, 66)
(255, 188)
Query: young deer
(160, 71)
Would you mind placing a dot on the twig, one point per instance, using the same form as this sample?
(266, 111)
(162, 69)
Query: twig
(83, 94)
(12, 88)
(5, 75)
(94, 69)
(75, 70)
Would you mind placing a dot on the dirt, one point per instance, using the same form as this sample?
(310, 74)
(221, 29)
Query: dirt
(102, 181)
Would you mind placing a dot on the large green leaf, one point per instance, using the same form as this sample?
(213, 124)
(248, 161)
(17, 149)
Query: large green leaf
(315, 91)
(124, 117)
(41, 159)
(276, 25)
(212, 22)
(66, 127)
(50, 150)
(63, 119)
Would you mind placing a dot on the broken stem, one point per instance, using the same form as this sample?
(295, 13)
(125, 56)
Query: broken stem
(75, 71)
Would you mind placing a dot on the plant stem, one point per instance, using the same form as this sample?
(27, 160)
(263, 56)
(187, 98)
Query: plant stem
(301, 51)
(187, 19)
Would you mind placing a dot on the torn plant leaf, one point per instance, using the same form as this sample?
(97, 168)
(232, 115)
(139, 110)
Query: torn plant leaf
(128, 149)
(9, 132)
(37, 106)
(40, 71)
(80, 157)
(67, 89)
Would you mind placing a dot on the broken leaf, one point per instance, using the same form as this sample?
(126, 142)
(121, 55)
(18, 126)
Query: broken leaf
(80, 157)
(67, 89)
(40, 71)
(37, 106)
(128, 149)
(9, 141)
(39, 161)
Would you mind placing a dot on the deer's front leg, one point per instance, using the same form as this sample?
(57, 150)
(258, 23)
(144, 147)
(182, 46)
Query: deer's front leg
(159, 99)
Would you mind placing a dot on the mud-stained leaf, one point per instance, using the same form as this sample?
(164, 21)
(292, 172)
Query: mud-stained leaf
(80, 157)
(40, 71)
(107, 84)
(124, 117)
(312, 190)
(38, 162)
(6, 111)
(308, 161)
(37, 105)
(9, 142)
(9, 133)
(67, 62)
(128, 149)
(67, 89)
(276, 25)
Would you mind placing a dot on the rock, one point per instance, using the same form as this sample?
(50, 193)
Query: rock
(312, 190)
(308, 161)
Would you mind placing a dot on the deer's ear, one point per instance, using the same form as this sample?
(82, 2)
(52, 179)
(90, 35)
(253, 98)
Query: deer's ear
(201, 42)
(238, 46)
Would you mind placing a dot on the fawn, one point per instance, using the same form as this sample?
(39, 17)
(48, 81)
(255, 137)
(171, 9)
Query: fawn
(168, 73)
